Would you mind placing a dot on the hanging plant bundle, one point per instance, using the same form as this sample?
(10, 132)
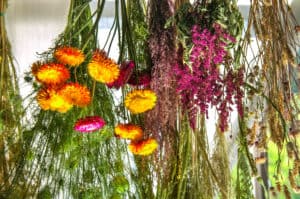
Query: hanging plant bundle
(201, 85)
(270, 80)
(72, 96)
(206, 75)
(11, 113)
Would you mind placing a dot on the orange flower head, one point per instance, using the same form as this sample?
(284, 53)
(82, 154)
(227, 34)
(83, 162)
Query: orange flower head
(69, 55)
(128, 131)
(44, 98)
(143, 147)
(139, 101)
(50, 74)
(50, 99)
(76, 94)
(102, 68)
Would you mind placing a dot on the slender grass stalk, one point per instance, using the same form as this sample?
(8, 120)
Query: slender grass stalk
(10, 112)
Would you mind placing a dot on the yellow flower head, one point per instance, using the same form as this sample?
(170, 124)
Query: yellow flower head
(76, 94)
(102, 68)
(69, 55)
(139, 101)
(50, 99)
(128, 131)
(143, 147)
(50, 74)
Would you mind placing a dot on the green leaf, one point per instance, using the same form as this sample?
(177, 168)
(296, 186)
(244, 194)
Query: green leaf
(45, 193)
(120, 184)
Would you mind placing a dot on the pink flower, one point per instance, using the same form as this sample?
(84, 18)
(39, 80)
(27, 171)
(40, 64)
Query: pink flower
(125, 73)
(89, 124)
(201, 85)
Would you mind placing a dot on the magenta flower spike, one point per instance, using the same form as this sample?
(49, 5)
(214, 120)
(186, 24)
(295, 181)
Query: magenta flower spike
(200, 84)
(89, 124)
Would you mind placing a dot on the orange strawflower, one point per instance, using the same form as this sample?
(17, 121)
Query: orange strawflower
(139, 101)
(44, 98)
(143, 147)
(51, 73)
(50, 99)
(76, 94)
(128, 131)
(69, 55)
(102, 68)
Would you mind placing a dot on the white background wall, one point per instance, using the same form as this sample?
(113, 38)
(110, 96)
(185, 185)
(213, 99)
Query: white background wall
(32, 26)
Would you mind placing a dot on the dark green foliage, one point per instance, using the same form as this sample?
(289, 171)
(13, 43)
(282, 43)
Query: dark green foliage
(227, 14)
(245, 166)
(44, 193)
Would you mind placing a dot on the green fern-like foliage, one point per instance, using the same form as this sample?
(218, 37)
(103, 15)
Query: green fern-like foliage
(245, 167)
(243, 181)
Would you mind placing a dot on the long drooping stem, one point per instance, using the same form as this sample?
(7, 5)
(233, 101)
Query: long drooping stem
(10, 111)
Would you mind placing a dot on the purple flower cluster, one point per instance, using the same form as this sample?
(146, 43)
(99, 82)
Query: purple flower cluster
(201, 85)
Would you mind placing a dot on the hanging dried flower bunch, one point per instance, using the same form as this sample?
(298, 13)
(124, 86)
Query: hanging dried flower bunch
(205, 73)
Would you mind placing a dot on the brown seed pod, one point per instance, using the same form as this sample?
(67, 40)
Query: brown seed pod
(290, 150)
(296, 167)
(252, 134)
(273, 191)
(278, 186)
(286, 192)
(292, 179)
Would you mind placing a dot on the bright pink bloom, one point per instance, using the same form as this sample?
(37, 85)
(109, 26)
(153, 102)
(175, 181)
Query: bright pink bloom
(89, 124)
(202, 85)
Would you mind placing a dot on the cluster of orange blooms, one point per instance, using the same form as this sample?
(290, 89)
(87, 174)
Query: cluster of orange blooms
(56, 93)
(59, 94)
(137, 146)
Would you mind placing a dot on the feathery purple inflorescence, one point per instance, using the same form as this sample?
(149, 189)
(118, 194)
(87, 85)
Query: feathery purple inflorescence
(201, 84)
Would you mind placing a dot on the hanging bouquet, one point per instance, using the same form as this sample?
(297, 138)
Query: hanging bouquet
(207, 74)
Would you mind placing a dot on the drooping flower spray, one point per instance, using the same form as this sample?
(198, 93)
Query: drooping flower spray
(73, 97)
(201, 83)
